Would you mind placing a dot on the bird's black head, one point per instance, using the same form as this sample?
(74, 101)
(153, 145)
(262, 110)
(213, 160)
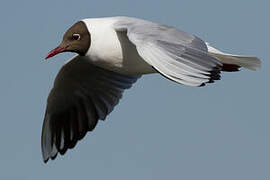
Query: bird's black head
(76, 39)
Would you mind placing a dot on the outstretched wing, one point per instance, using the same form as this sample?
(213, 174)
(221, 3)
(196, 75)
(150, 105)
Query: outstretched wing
(177, 55)
(82, 94)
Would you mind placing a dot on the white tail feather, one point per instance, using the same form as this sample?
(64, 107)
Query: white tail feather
(248, 62)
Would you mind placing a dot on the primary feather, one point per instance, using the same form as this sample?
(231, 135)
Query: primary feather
(82, 94)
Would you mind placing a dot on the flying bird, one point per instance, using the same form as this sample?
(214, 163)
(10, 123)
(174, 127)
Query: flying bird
(112, 53)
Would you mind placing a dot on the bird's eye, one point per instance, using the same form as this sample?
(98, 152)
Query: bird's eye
(76, 36)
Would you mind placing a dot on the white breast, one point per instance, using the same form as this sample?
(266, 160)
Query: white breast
(112, 50)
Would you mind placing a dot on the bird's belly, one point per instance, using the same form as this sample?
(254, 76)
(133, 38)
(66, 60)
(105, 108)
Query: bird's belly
(132, 63)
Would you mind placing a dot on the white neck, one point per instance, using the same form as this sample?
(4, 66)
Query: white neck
(106, 48)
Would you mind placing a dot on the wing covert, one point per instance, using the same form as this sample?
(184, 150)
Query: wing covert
(175, 54)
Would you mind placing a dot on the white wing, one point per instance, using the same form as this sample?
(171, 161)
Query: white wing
(177, 55)
(82, 94)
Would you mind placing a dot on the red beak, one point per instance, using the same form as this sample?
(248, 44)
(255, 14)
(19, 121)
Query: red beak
(56, 51)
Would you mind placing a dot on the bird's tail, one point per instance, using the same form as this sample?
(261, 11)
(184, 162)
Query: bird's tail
(234, 62)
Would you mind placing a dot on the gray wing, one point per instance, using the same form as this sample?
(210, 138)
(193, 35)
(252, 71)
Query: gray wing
(175, 54)
(82, 94)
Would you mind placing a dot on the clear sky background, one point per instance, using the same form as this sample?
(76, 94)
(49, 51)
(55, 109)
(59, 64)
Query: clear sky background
(160, 130)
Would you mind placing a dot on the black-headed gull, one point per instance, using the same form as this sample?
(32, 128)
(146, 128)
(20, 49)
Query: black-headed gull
(113, 53)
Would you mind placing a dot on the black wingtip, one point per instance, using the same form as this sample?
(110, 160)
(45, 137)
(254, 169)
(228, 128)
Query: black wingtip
(53, 157)
(63, 151)
(45, 160)
(202, 85)
(215, 74)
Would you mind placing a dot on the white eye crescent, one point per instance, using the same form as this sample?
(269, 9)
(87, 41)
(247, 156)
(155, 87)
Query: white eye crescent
(76, 36)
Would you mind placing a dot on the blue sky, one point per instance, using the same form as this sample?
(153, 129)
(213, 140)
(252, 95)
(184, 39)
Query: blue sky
(160, 129)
